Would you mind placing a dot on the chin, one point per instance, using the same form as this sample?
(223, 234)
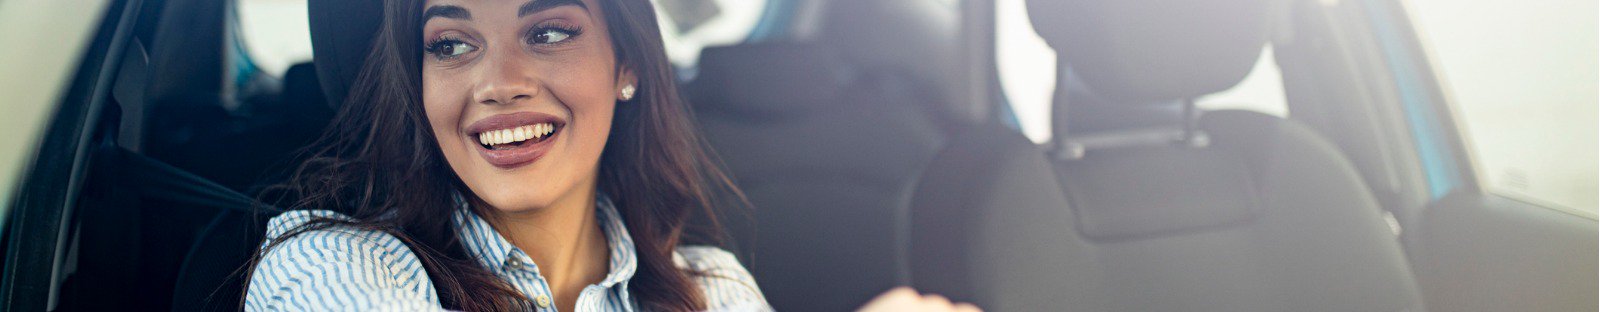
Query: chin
(522, 189)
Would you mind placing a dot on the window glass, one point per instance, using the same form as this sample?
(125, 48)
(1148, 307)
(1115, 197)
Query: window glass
(689, 26)
(1522, 78)
(275, 33)
(1027, 68)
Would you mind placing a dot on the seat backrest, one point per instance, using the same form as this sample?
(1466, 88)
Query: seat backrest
(826, 153)
(1220, 211)
(267, 148)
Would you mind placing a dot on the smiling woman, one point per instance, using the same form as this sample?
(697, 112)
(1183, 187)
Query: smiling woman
(505, 155)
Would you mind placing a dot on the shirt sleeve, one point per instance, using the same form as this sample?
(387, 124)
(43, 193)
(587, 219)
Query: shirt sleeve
(725, 282)
(337, 270)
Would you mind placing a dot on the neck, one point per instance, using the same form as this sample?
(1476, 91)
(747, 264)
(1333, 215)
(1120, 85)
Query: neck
(565, 240)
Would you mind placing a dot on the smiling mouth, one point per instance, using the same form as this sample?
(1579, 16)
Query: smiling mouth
(511, 138)
(515, 139)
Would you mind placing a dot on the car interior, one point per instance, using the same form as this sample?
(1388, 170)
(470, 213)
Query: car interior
(874, 150)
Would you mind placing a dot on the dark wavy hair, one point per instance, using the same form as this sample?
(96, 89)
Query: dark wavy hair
(378, 163)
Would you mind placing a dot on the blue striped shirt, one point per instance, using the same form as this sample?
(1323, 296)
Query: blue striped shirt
(343, 269)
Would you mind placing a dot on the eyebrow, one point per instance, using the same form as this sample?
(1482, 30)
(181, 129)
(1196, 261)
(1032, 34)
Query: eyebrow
(529, 8)
(536, 6)
(446, 11)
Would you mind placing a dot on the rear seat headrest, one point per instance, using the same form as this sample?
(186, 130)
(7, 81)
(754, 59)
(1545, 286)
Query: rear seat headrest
(769, 79)
(301, 89)
(1144, 51)
(341, 35)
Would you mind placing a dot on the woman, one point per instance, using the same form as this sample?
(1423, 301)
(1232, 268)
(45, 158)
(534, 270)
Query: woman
(509, 155)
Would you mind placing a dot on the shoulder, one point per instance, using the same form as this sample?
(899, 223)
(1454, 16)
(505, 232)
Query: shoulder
(333, 242)
(334, 266)
(726, 284)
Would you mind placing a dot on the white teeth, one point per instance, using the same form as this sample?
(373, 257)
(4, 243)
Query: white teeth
(518, 134)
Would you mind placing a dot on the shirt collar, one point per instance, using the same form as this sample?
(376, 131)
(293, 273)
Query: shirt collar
(494, 251)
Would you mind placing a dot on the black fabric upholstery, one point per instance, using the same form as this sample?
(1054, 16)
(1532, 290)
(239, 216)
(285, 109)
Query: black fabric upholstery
(1138, 51)
(267, 149)
(921, 38)
(986, 229)
(827, 160)
(214, 273)
(147, 233)
(1199, 189)
(1318, 242)
(772, 80)
(301, 100)
(990, 226)
(341, 35)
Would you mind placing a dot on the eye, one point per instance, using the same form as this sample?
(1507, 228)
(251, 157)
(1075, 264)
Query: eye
(445, 49)
(551, 35)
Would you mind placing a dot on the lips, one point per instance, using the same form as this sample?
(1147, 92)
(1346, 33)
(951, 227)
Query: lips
(515, 139)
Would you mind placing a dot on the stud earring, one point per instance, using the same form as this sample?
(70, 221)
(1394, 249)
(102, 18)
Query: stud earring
(627, 93)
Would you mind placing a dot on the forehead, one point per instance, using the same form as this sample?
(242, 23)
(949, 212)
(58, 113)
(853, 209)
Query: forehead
(498, 4)
(496, 11)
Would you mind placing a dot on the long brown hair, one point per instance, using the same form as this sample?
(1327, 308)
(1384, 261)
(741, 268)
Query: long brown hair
(378, 163)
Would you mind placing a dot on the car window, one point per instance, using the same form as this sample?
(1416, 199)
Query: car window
(1522, 79)
(275, 33)
(689, 26)
(1027, 69)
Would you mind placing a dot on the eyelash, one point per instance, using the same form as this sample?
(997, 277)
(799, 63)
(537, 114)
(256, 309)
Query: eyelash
(433, 47)
(570, 30)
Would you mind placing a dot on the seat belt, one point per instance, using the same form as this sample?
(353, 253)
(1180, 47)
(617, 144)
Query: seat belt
(152, 178)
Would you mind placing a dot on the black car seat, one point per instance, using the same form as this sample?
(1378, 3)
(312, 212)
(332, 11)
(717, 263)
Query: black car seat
(132, 243)
(154, 228)
(827, 153)
(266, 146)
(1149, 206)
(213, 271)
(826, 128)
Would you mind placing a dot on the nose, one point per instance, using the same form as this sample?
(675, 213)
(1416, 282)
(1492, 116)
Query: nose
(505, 79)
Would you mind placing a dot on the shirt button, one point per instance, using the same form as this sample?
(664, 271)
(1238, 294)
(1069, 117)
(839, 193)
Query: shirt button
(543, 301)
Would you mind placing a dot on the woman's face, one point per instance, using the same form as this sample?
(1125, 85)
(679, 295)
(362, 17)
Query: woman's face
(520, 95)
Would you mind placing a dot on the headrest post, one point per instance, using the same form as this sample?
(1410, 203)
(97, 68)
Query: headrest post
(1065, 148)
(1192, 136)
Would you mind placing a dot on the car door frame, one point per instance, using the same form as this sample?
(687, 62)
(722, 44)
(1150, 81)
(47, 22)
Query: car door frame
(38, 227)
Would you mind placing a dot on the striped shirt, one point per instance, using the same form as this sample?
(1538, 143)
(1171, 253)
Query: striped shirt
(343, 269)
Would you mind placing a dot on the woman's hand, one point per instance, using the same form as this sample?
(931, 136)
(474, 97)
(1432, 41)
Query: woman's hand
(907, 299)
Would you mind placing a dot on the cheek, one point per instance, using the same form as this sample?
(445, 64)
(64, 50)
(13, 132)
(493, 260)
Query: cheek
(443, 113)
(443, 107)
(585, 87)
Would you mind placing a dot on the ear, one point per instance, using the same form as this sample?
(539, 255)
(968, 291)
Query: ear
(627, 83)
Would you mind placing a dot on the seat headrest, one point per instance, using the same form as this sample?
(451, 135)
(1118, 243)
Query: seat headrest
(1144, 51)
(774, 78)
(301, 88)
(341, 36)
